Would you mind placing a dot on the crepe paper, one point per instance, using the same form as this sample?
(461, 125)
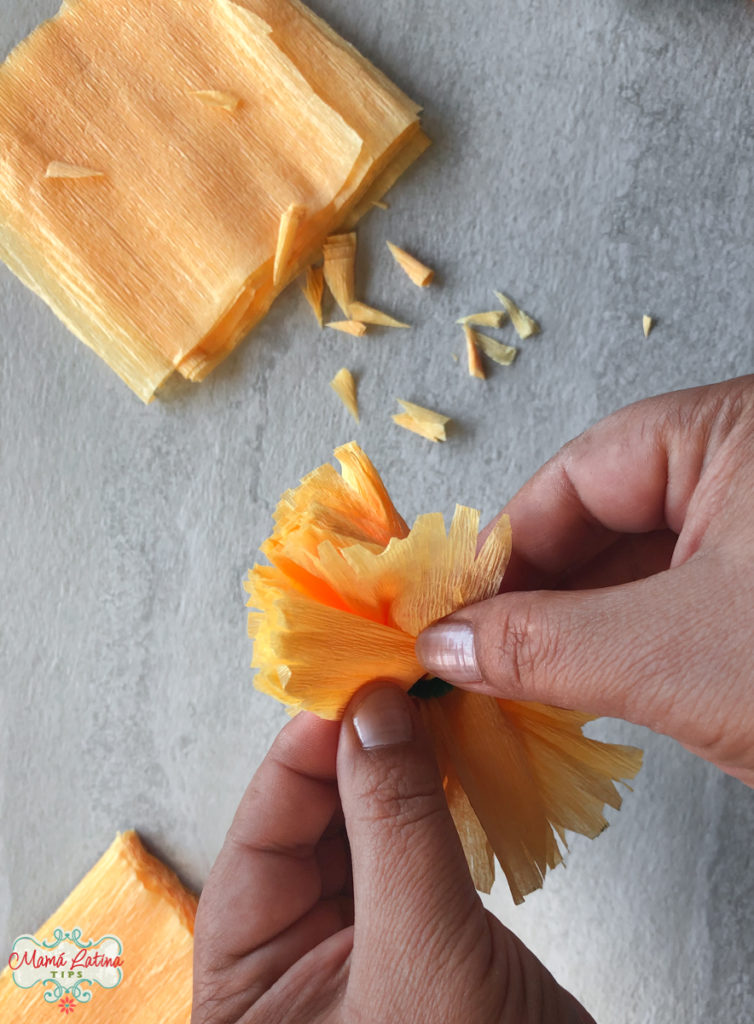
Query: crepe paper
(473, 357)
(427, 431)
(425, 422)
(476, 846)
(217, 98)
(58, 169)
(339, 252)
(502, 354)
(166, 259)
(524, 325)
(349, 327)
(131, 895)
(647, 323)
(344, 387)
(348, 588)
(420, 274)
(494, 318)
(417, 144)
(289, 225)
(419, 412)
(529, 775)
(369, 315)
(313, 289)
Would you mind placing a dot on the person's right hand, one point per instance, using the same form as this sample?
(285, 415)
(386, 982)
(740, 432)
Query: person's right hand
(640, 534)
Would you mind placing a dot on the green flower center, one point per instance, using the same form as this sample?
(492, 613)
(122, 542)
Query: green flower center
(429, 686)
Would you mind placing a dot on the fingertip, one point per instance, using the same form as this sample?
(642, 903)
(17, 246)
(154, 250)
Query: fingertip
(382, 717)
(448, 650)
(308, 744)
(307, 722)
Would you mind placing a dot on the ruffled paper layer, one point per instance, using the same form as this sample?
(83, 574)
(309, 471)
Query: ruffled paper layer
(349, 589)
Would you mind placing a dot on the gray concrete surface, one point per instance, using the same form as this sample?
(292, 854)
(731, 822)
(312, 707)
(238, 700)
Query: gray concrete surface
(593, 158)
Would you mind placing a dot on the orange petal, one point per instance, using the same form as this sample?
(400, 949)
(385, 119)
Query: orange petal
(364, 480)
(575, 773)
(409, 584)
(315, 658)
(328, 506)
(476, 846)
(429, 573)
(529, 774)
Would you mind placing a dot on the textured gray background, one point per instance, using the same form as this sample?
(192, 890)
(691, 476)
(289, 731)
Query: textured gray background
(594, 158)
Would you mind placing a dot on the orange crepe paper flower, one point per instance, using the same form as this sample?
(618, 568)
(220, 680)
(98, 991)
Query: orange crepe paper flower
(348, 590)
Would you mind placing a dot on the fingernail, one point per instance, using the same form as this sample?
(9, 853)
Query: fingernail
(447, 650)
(383, 719)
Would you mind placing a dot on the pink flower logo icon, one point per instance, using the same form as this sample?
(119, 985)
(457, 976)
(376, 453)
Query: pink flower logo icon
(67, 1004)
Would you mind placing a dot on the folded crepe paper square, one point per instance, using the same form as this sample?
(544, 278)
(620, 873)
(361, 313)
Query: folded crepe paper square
(134, 897)
(156, 157)
(349, 588)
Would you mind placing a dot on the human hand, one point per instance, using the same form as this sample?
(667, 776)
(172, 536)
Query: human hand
(639, 535)
(342, 895)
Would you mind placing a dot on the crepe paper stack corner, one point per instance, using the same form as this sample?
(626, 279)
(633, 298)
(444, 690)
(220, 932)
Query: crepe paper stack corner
(133, 896)
(167, 169)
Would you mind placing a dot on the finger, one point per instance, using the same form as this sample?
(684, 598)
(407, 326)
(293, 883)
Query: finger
(337, 824)
(629, 558)
(267, 875)
(414, 898)
(334, 860)
(613, 651)
(318, 945)
(311, 991)
(256, 975)
(633, 472)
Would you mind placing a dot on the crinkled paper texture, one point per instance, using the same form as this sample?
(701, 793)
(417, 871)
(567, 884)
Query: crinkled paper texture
(349, 589)
(165, 258)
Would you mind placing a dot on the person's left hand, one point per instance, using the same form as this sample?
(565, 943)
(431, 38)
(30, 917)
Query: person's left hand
(296, 926)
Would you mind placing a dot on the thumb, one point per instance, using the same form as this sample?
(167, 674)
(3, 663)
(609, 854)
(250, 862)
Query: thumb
(413, 895)
(618, 651)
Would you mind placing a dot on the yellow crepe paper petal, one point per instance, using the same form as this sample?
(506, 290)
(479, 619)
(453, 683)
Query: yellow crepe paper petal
(418, 272)
(369, 315)
(430, 431)
(425, 422)
(492, 318)
(313, 289)
(525, 325)
(348, 327)
(339, 252)
(344, 386)
(473, 355)
(424, 415)
(502, 354)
